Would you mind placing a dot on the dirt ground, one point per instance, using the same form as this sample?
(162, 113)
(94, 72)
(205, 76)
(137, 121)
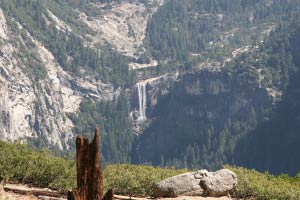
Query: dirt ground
(13, 196)
(178, 198)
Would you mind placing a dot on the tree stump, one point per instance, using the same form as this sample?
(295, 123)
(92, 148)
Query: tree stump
(109, 195)
(89, 173)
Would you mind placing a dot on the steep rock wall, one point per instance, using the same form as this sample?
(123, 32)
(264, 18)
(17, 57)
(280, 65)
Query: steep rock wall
(206, 112)
(34, 107)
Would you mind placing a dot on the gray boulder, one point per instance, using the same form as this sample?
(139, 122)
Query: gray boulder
(199, 183)
(182, 184)
(219, 183)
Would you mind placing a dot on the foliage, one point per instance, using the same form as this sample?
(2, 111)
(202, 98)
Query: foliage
(135, 180)
(31, 20)
(205, 132)
(191, 27)
(40, 168)
(112, 118)
(210, 118)
(272, 145)
(264, 186)
(67, 46)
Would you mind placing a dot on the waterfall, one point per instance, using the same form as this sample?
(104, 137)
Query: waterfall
(142, 95)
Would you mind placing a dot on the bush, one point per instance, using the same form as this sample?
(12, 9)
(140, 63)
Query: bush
(263, 186)
(40, 168)
(134, 180)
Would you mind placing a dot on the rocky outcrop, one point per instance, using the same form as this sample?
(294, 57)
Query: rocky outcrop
(199, 183)
(121, 24)
(36, 108)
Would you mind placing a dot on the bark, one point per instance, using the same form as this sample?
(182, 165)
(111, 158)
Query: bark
(109, 195)
(89, 173)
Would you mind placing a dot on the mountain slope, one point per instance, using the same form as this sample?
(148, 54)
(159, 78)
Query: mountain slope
(207, 113)
(273, 146)
(47, 71)
(199, 82)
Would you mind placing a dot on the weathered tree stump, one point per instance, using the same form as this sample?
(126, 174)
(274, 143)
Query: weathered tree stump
(89, 173)
(109, 195)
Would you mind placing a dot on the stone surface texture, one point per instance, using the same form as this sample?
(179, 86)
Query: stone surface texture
(199, 183)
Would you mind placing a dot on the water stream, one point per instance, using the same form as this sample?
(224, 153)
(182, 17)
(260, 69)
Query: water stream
(142, 95)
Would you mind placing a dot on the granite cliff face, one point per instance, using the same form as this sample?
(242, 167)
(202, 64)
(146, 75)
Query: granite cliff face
(37, 108)
(122, 24)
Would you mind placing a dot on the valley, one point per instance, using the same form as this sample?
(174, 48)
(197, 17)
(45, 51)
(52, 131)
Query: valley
(185, 84)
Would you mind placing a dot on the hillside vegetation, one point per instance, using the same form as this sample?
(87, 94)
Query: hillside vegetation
(264, 186)
(32, 23)
(40, 168)
(20, 163)
(243, 112)
(67, 46)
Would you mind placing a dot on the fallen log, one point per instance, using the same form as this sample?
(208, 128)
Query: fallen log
(62, 195)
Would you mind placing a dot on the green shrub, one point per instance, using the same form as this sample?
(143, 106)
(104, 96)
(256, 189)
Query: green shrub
(135, 180)
(263, 186)
(40, 168)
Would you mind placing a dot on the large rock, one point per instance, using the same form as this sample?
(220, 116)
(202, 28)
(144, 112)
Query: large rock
(182, 184)
(199, 183)
(219, 183)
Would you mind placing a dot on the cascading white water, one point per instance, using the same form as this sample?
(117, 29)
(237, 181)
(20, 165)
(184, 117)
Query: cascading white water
(141, 86)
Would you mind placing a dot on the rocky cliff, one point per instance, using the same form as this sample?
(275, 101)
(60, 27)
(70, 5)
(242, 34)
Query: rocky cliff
(37, 92)
(37, 108)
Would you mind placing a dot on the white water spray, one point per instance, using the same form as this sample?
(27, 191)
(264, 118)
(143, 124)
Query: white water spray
(141, 86)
